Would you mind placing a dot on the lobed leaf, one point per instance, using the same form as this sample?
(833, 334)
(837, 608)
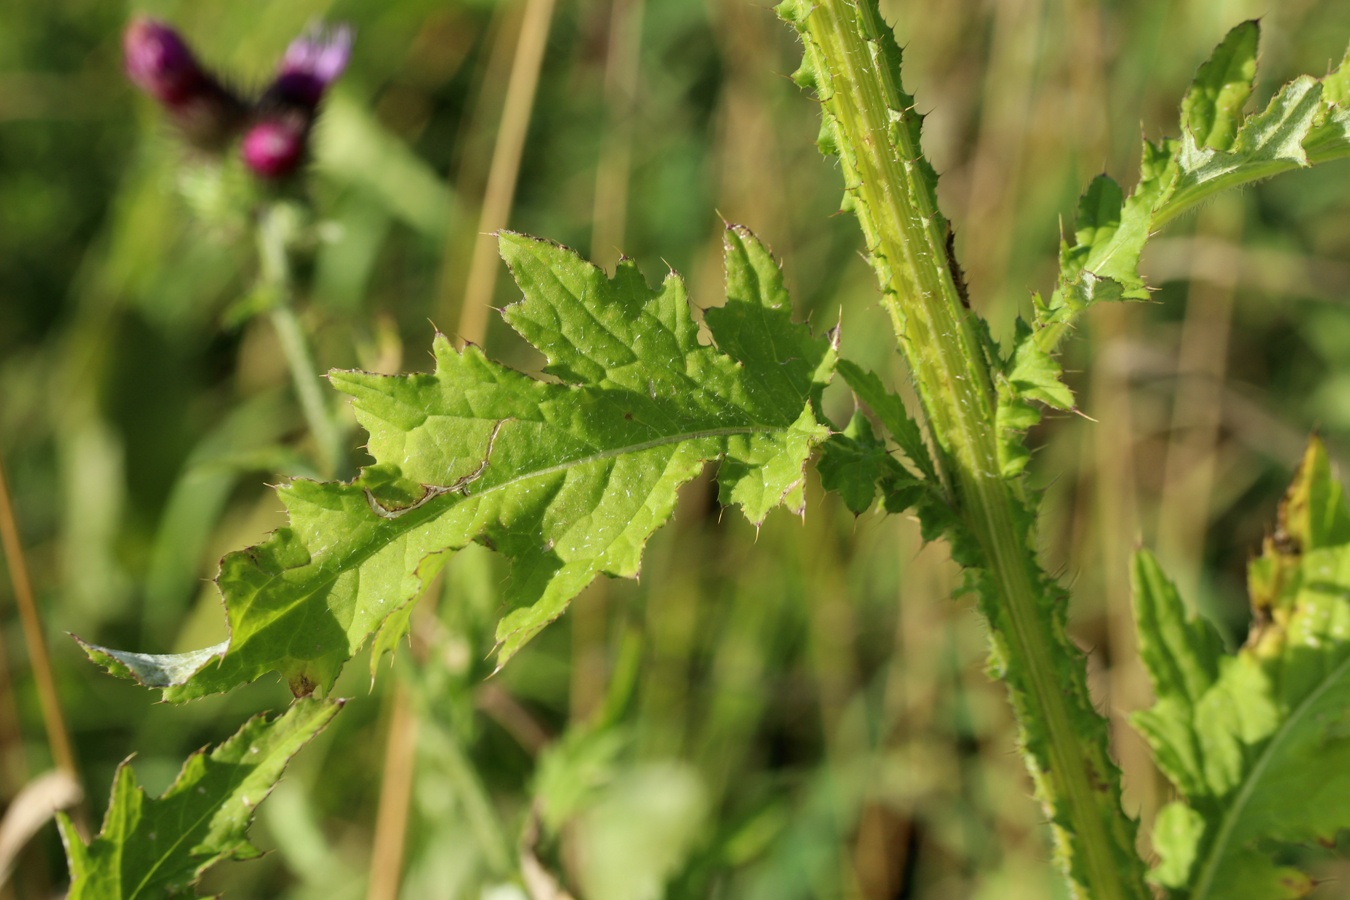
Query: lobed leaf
(1241, 735)
(1211, 111)
(567, 477)
(159, 847)
(1029, 379)
(1306, 122)
(1218, 148)
(890, 411)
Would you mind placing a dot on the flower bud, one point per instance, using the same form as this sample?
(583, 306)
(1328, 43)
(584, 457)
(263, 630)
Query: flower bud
(159, 62)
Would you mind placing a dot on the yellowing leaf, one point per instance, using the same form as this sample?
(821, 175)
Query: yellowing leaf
(1257, 743)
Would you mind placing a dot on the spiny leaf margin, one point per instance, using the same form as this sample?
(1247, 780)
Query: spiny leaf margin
(1218, 148)
(857, 464)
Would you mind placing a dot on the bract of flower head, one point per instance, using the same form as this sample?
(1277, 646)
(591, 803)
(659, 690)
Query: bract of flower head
(159, 62)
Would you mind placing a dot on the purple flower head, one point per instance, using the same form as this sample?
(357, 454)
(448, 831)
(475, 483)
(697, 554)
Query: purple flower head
(159, 62)
(278, 141)
(275, 127)
(312, 62)
(274, 148)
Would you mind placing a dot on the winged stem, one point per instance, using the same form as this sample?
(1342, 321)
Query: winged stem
(853, 62)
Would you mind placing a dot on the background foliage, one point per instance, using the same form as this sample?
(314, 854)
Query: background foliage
(798, 711)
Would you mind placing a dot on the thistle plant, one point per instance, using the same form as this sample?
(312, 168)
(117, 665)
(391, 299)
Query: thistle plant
(567, 475)
(273, 129)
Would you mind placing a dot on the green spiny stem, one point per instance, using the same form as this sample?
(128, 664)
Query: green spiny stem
(853, 58)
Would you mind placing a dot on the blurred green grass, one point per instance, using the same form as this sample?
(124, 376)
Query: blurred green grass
(811, 699)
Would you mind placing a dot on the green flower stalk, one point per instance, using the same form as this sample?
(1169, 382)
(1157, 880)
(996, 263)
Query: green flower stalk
(272, 132)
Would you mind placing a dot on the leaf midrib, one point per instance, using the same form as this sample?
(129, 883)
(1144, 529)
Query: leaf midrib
(208, 812)
(416, 517)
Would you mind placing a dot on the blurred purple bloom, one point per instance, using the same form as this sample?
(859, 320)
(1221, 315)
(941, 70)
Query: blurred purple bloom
(312, 62)
(275, 128)
(274, 148)
(278, 141)
(159, 62)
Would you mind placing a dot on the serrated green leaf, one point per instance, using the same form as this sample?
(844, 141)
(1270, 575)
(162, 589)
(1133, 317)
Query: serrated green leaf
(1270, 142)
(1212, 109)
(156, 670)
(153, 848)
(1103, 264)
(858, 464)
(1030, 376)
(1241, 735)
(1099, 211)
(568, 478)
(1305, 122)
(1180, 651)
(1013, 419)
(890, 410)
(852, 461)
(1033, 373)
(1181, 654)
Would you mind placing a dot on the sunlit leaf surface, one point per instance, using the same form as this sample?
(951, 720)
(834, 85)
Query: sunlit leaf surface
(567, 475)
